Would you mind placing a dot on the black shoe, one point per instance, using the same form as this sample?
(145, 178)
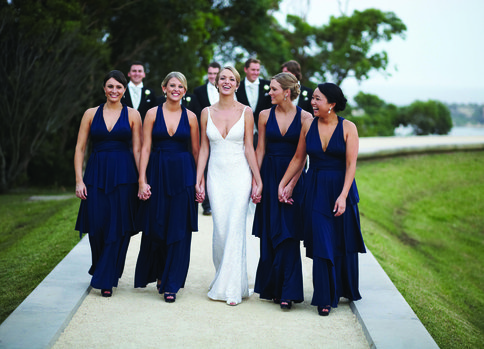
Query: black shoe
(107, 293)
(324, 311)
(207, 212)
(286, 305)
(170, 297)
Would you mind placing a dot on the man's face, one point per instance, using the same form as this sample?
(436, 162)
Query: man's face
(252, 72)
(212, 74)
(136, 74)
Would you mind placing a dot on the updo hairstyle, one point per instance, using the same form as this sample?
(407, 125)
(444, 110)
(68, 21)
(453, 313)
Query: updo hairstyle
(333, 94)
(288, 82)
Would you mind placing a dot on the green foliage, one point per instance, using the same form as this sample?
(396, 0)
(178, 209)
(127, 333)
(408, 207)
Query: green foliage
(47, 62)
(431, 117)
(34, 237)
(344, 47)
(372, 116)
(422, 219)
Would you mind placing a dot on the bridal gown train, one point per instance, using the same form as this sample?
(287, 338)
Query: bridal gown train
(229, 182)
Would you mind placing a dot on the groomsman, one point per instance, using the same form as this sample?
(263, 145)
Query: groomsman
(304, 99)
(254, 91)
(137, 96)
(207, 95)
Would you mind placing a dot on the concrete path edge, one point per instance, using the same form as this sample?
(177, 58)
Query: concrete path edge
(40, 319)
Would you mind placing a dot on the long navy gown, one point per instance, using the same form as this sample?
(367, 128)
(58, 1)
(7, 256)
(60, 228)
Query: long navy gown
(332, 242)
(108, 214)
(279, 273)
(169, 216)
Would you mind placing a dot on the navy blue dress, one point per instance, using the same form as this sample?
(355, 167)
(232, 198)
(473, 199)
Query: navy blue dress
(279, 273)
(332, 242)
(108, 214)
(169, 216)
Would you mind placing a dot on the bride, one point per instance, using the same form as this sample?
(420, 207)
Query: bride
(227, 134)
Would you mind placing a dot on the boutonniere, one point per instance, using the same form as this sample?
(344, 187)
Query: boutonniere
(266, 87)
(147, 92)
(188, 99)
(305, 95)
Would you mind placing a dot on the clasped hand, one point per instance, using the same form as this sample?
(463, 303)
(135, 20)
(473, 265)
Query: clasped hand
(144, 192)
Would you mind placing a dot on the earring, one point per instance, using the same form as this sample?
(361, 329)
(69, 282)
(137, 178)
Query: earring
(164, 94)
(285, 98)
(329, 111)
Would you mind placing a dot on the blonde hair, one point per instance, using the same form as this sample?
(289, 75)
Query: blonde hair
(233, 70)
(288, 82)
(176, 75)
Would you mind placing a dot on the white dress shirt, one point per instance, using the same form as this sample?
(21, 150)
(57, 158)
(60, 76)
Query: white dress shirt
(252, 90)
(135, 93)
(212, 92)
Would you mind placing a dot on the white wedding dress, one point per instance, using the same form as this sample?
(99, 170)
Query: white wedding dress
(229, 181)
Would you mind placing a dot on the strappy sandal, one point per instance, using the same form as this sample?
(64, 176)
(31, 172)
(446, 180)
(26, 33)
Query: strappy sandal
(285, 304)
(324, 311)
(107, 293)
(169, 297)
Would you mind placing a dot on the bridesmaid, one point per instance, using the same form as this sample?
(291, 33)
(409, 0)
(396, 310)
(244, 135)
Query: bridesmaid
(108, 189)
(168, 215)
(332, 233)
(279, 273)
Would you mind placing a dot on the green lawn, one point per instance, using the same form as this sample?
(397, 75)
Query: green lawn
(34, 237)
(422, 218)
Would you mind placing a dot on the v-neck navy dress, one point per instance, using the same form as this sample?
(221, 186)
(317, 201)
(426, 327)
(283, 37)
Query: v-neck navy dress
(169, 216)
(332, 242)
(108, 214)
(278, 225)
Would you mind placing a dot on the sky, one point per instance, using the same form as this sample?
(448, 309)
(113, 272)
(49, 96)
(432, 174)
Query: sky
(441, 57)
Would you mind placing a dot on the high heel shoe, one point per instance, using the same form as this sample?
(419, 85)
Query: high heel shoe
(324, 311)
(232, 303)
(169, 297)
(106, 293)
(285, 304)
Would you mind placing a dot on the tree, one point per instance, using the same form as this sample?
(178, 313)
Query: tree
(373, 117)
(431, 117)
(344, 47)
(46, 69)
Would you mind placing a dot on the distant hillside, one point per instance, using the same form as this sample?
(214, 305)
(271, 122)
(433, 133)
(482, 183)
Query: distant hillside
(467, 114)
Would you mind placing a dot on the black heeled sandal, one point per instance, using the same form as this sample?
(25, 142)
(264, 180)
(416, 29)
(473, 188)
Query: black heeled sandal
(285, 304)
(169, 297)
(107, 293)
(324, 311)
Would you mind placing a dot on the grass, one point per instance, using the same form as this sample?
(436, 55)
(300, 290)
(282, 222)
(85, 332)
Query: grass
(422, 218)
(34, 237)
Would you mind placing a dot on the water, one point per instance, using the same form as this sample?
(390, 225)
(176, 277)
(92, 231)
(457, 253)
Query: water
(467, 131)
(456, 131)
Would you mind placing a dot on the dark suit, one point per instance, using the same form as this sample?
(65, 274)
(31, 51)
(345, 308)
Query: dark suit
(148, 100)
(201, 93)
(305, 99)
(263, 102)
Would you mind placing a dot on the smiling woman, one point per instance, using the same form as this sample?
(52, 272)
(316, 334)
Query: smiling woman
(227, 133)
(108, 187)
(168, 213)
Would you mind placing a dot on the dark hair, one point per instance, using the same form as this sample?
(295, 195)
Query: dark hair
(333, 94)
(137, 63)
(118, 76)
(288, 82)
(294, 68)
(215, 65)
(250, 61)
